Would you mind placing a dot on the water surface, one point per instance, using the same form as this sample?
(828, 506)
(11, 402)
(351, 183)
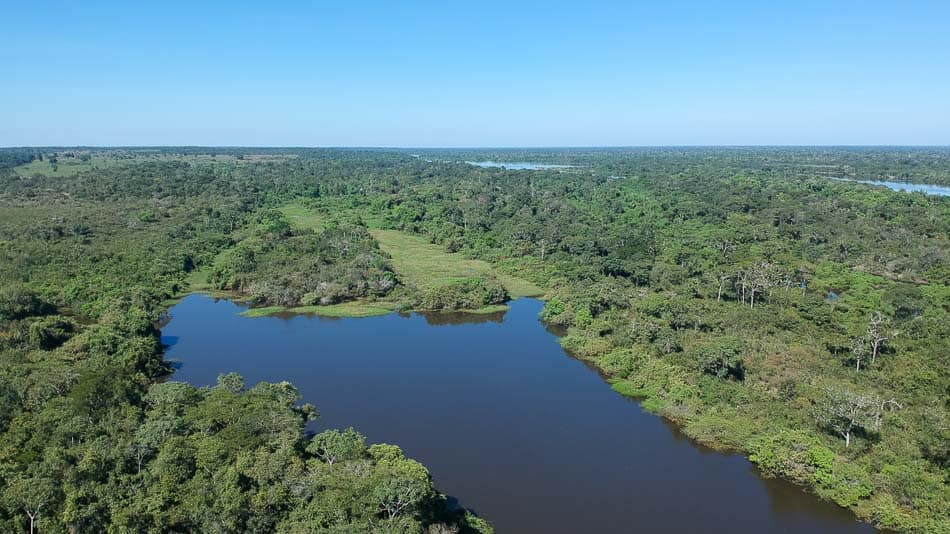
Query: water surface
(928, 189)
(510, 425)
(519, 165)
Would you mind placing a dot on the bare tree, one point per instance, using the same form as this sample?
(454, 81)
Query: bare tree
(844, 411)
(758, 278)
(722, 278)
(878, 332)
(859, 351)
(886, 405)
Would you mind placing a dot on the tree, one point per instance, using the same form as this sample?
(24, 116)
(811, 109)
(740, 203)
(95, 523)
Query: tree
(396, 494)
(17, 302)
(844, 411)
(859, 351)
(332, 445)
(32, 495)
(878, 332)
(721, 278)
(723, 358)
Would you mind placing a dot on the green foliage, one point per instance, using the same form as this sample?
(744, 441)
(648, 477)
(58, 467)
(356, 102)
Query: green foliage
(672, 268)
(92, 435)
(722, 358)
(50, 332)
(622, 362)
(843, 483)
(553, 311)
(332, 445)
(583, 318)
(787, 453)
(278, 266)
(18, 302)
(462, 294)
(660, 385)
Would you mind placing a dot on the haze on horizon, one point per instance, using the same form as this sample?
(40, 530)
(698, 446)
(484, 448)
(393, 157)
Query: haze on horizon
(427, 74)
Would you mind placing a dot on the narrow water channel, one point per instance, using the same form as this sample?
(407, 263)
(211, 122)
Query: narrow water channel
(510, 425)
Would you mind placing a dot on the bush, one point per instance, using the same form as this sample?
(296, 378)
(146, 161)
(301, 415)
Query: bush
(18, 302)
(50, 332)
(722, 358)
(556, 312)
(784, 454)
(464, 294)
(621, 362)
(843, 483)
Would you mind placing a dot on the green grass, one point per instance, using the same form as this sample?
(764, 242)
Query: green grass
(423, 264)
(416, 261)
(346, 309)
(197, 280)
(302, 217)
(65, 168)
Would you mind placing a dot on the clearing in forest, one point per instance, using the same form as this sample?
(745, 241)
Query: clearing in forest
(302, 217)
(424, 264)
(416, 261)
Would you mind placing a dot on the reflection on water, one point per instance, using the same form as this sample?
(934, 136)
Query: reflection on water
(527, 436)
(459, 318)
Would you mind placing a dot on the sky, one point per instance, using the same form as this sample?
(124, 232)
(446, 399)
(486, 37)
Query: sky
(470, 74)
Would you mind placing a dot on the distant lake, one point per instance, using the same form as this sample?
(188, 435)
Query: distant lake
(519, 166)
(530, 438)
(929, 189)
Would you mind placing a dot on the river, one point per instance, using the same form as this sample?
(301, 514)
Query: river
(509, 424)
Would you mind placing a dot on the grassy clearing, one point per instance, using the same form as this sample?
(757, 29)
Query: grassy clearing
(346, 309)
(197, 280)
(66, 168)
(426, 265)
(302, 217)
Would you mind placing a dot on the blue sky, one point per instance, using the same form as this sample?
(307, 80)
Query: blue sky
(475, 73)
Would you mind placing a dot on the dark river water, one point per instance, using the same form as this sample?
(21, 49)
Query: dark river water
(515, 429)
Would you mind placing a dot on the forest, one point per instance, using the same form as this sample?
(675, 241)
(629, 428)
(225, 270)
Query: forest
(742, 293)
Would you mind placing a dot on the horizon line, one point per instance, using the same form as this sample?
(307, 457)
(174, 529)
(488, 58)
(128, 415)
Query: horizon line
(476, 147)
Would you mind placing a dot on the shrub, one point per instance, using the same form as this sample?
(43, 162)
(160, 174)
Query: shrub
(844, 483)
(464, 293)
(722, 358)
(50, 332)
(18, 302)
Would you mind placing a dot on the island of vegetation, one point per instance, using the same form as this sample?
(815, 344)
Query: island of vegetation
(741, 293)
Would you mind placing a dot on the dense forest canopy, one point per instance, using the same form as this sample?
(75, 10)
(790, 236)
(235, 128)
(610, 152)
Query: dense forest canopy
(740, 292)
